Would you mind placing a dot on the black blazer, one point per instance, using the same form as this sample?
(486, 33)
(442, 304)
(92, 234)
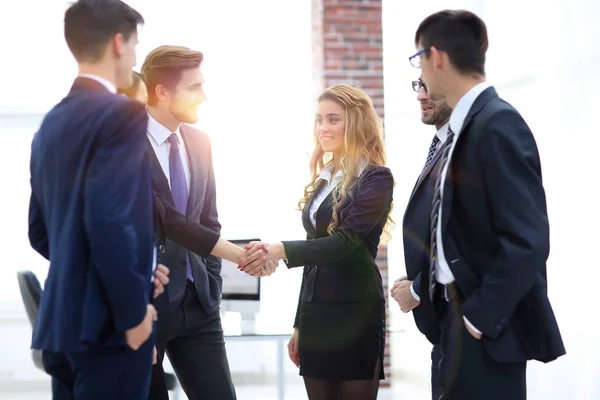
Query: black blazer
(91, 215)
(341, 267)
(416, 238)
(201, 210)
(496, 234)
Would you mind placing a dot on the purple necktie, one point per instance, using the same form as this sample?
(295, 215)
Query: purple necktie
(179, 189)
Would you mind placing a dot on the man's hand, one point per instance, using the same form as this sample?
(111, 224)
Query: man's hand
(138, 335)
(401, 293)
(161, 278)
(259, 259)
(154, 356)
(472, 332)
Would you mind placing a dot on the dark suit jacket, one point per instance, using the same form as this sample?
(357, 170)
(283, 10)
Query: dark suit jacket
(341, 267)
(416, 236)
(91, 216)
(202, 210)
(178, 228)
(496, 235)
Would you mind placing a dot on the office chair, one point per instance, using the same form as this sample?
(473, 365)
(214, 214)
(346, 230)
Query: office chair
(31, 292)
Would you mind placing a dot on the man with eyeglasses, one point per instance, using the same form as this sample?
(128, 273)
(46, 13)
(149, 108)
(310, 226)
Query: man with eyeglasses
(407, 289)
(489, 238)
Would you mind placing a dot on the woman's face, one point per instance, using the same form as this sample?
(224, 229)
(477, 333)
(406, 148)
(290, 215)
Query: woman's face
(331, 126)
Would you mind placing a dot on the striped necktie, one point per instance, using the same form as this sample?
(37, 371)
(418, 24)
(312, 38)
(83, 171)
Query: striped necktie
(435, 213)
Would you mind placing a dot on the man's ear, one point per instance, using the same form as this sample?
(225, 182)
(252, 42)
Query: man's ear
(161, 92)
(439, 58)
(117, 44)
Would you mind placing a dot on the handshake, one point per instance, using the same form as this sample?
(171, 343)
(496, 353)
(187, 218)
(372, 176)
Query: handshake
(261, 259)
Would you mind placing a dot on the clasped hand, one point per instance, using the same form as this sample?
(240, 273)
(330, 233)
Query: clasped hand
(261, 259)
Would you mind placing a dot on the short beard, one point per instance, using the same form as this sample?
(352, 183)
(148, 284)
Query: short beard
(441, 113)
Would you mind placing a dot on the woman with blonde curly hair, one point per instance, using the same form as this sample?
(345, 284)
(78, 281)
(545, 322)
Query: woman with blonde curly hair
(339, 334)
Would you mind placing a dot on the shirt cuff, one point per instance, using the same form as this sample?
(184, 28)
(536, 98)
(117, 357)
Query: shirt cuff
(414, 294)
(477, 331)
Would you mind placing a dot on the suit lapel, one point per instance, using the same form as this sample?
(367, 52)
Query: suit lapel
(159, 180)
(425, 172)
(194, 166)
(324, 215)
(448, 189)
(308, 226)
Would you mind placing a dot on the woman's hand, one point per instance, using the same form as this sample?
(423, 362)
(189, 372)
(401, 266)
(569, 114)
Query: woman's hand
(293, 348)
(261, 259)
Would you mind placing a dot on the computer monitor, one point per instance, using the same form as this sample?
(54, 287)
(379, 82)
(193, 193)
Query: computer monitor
(241, 292)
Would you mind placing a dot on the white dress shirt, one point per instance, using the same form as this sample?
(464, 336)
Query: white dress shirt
(158, 135)
(443, 273)
(105, 82)
(442, 135)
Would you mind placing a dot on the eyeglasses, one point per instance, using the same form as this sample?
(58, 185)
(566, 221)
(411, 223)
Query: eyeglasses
(417, 85)
(415, 59)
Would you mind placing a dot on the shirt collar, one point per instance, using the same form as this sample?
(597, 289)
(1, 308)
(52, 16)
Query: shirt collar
(442, 134)
(457, 119)
(159, 132)
(104, 82)
(327, 170)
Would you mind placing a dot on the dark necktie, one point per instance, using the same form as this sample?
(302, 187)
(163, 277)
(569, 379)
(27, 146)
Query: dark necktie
(435, 213)
(179, 189)
(431, 153)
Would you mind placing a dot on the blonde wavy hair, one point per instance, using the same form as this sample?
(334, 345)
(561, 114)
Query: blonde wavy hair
(363, 143)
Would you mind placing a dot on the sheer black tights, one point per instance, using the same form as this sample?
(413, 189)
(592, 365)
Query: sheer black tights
(325, 389)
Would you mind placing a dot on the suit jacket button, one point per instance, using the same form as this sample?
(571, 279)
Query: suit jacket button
(498, 327)
(161, 248)
(183, 262)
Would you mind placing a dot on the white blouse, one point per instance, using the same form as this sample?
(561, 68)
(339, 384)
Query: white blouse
(322, 194)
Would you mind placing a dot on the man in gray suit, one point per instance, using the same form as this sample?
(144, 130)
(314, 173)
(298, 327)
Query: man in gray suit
(190, 328)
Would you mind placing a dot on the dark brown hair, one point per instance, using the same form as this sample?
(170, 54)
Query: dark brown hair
(460, 34)
(91, 24)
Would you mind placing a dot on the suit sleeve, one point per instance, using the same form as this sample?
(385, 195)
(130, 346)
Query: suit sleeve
(371, 202)
(38, 236)
(513, 181)
(185, 232)
(117, 196)
(209, 217)
(415, 287)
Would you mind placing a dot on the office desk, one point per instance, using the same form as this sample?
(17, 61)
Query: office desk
(281, 341)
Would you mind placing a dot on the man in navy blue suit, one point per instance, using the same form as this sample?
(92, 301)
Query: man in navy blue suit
(489, 229)
(91, 216)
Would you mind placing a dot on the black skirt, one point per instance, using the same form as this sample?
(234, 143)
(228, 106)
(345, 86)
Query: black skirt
(342, 341)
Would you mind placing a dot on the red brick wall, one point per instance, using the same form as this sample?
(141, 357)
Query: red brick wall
(347, 45)
(347, 48)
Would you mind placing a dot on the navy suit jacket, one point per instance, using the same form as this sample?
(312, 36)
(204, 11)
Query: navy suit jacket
(91, 216)
(495, 233)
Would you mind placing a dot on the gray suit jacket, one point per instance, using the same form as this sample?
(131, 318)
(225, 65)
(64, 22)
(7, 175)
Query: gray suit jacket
(202, 209)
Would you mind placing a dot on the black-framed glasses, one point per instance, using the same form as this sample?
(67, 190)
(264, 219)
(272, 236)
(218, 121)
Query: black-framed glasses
(417, 85)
